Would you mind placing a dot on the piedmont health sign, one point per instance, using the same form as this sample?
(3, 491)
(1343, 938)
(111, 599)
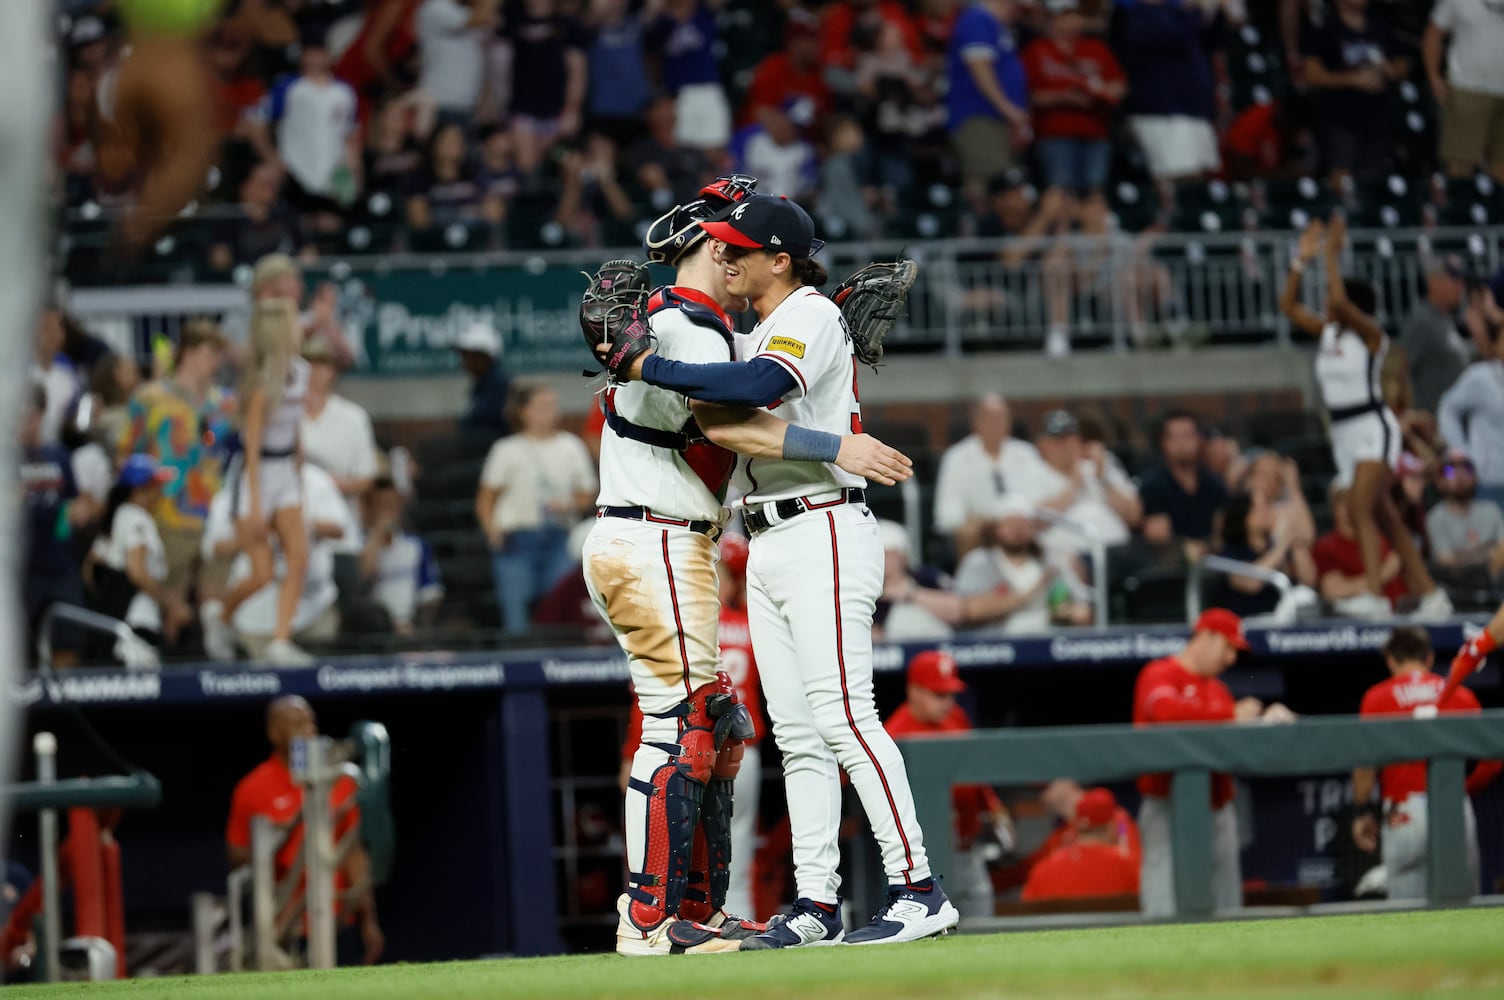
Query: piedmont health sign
(404, 321)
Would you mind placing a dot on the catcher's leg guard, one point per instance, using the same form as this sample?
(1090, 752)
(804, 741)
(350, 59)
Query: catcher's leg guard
(730, 723)
(674, 788)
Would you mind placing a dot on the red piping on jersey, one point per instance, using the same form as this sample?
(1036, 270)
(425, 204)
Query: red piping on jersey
(673, 596)
(788, 368)
(835, 564)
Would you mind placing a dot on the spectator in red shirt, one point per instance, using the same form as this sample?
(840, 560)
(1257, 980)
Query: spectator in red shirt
(375, 60)
(1095, 864)
(1339, 563)
(1185, 688)
(238, 91)
(794, 72)
(1075, 86)
(269, 790)
(931, 709)
(841, 20)
(1412, 690)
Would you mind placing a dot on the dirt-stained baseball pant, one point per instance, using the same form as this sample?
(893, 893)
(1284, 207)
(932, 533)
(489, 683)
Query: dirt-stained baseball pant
(657, 587)
(1404, 844)
(813, 582)
(1156, 891)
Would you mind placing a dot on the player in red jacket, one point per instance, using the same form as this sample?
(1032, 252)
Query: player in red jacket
(1474, 653)
(1413, 690)
(931, 709)
(1185, 688)
(1094, 864)
(738, 661)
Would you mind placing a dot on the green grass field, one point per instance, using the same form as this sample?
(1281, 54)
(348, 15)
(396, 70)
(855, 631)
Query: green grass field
(1454, 953)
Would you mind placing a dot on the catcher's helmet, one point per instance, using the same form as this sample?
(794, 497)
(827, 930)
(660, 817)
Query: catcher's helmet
(677, 231)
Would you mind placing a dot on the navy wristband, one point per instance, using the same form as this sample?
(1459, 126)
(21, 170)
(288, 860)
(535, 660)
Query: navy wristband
(800, 444)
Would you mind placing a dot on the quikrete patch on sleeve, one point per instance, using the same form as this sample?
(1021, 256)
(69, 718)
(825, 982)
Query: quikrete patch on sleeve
(788, 345)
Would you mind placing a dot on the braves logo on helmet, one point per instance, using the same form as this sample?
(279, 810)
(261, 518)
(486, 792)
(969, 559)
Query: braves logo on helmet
(677, 231)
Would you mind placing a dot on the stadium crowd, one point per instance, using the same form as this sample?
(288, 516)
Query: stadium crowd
(567, 122)
(130, 482)
(410, 116)
(125, 476)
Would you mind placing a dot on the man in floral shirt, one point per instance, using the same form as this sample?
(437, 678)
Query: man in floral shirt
(184, 421)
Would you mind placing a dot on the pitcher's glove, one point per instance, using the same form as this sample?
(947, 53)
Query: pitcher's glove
(871, 301)
(614, 314)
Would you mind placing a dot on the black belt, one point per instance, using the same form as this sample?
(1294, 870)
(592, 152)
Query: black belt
(643, 514)
(1341, 413)
(273, 453)
(756, 521)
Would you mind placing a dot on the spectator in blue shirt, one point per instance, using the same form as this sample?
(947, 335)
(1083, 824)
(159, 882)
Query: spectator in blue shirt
(53, 509)
(1171, 90)
(683, 38)
(989, 96)
(619, 88)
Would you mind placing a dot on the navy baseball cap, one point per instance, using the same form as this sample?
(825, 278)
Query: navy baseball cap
(765, 222)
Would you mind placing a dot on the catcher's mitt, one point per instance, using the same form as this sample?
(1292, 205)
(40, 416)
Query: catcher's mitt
(613, 314)
(871, 301)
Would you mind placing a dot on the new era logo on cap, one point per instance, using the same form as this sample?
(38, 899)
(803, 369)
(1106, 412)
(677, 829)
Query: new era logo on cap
(764, 222)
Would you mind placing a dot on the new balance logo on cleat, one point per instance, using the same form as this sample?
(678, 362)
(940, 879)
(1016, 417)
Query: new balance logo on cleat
(909, 916)
(670, 936)
(808, 923)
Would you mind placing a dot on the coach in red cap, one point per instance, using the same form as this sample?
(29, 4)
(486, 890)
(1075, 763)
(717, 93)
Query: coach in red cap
(930, 709)
(1095, 863)
(1185, 688)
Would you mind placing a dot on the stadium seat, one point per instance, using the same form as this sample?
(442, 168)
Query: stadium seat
(1290, 204)
(1150, 595)
(1210, 207)
(1262, 430)
(1312, 453)
(1135, 204)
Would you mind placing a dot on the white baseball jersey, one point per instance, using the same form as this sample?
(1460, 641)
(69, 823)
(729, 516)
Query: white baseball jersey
(807, 336)
(812, 585)
(1347, 371)
(688, 485)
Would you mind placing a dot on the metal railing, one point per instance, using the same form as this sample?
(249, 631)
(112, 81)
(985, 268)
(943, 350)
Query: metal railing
(971, 294)
(301, 898)
(133, 651)
(1227, 567)
(1191, 753)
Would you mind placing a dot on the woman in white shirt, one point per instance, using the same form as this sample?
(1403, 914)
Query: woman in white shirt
(128, 563)
(535, 485)
(1366, 439)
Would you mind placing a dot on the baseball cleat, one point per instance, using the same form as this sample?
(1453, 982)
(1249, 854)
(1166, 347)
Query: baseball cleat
(909, 915)
(808, 923)
(670, 936)
(734, 928)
